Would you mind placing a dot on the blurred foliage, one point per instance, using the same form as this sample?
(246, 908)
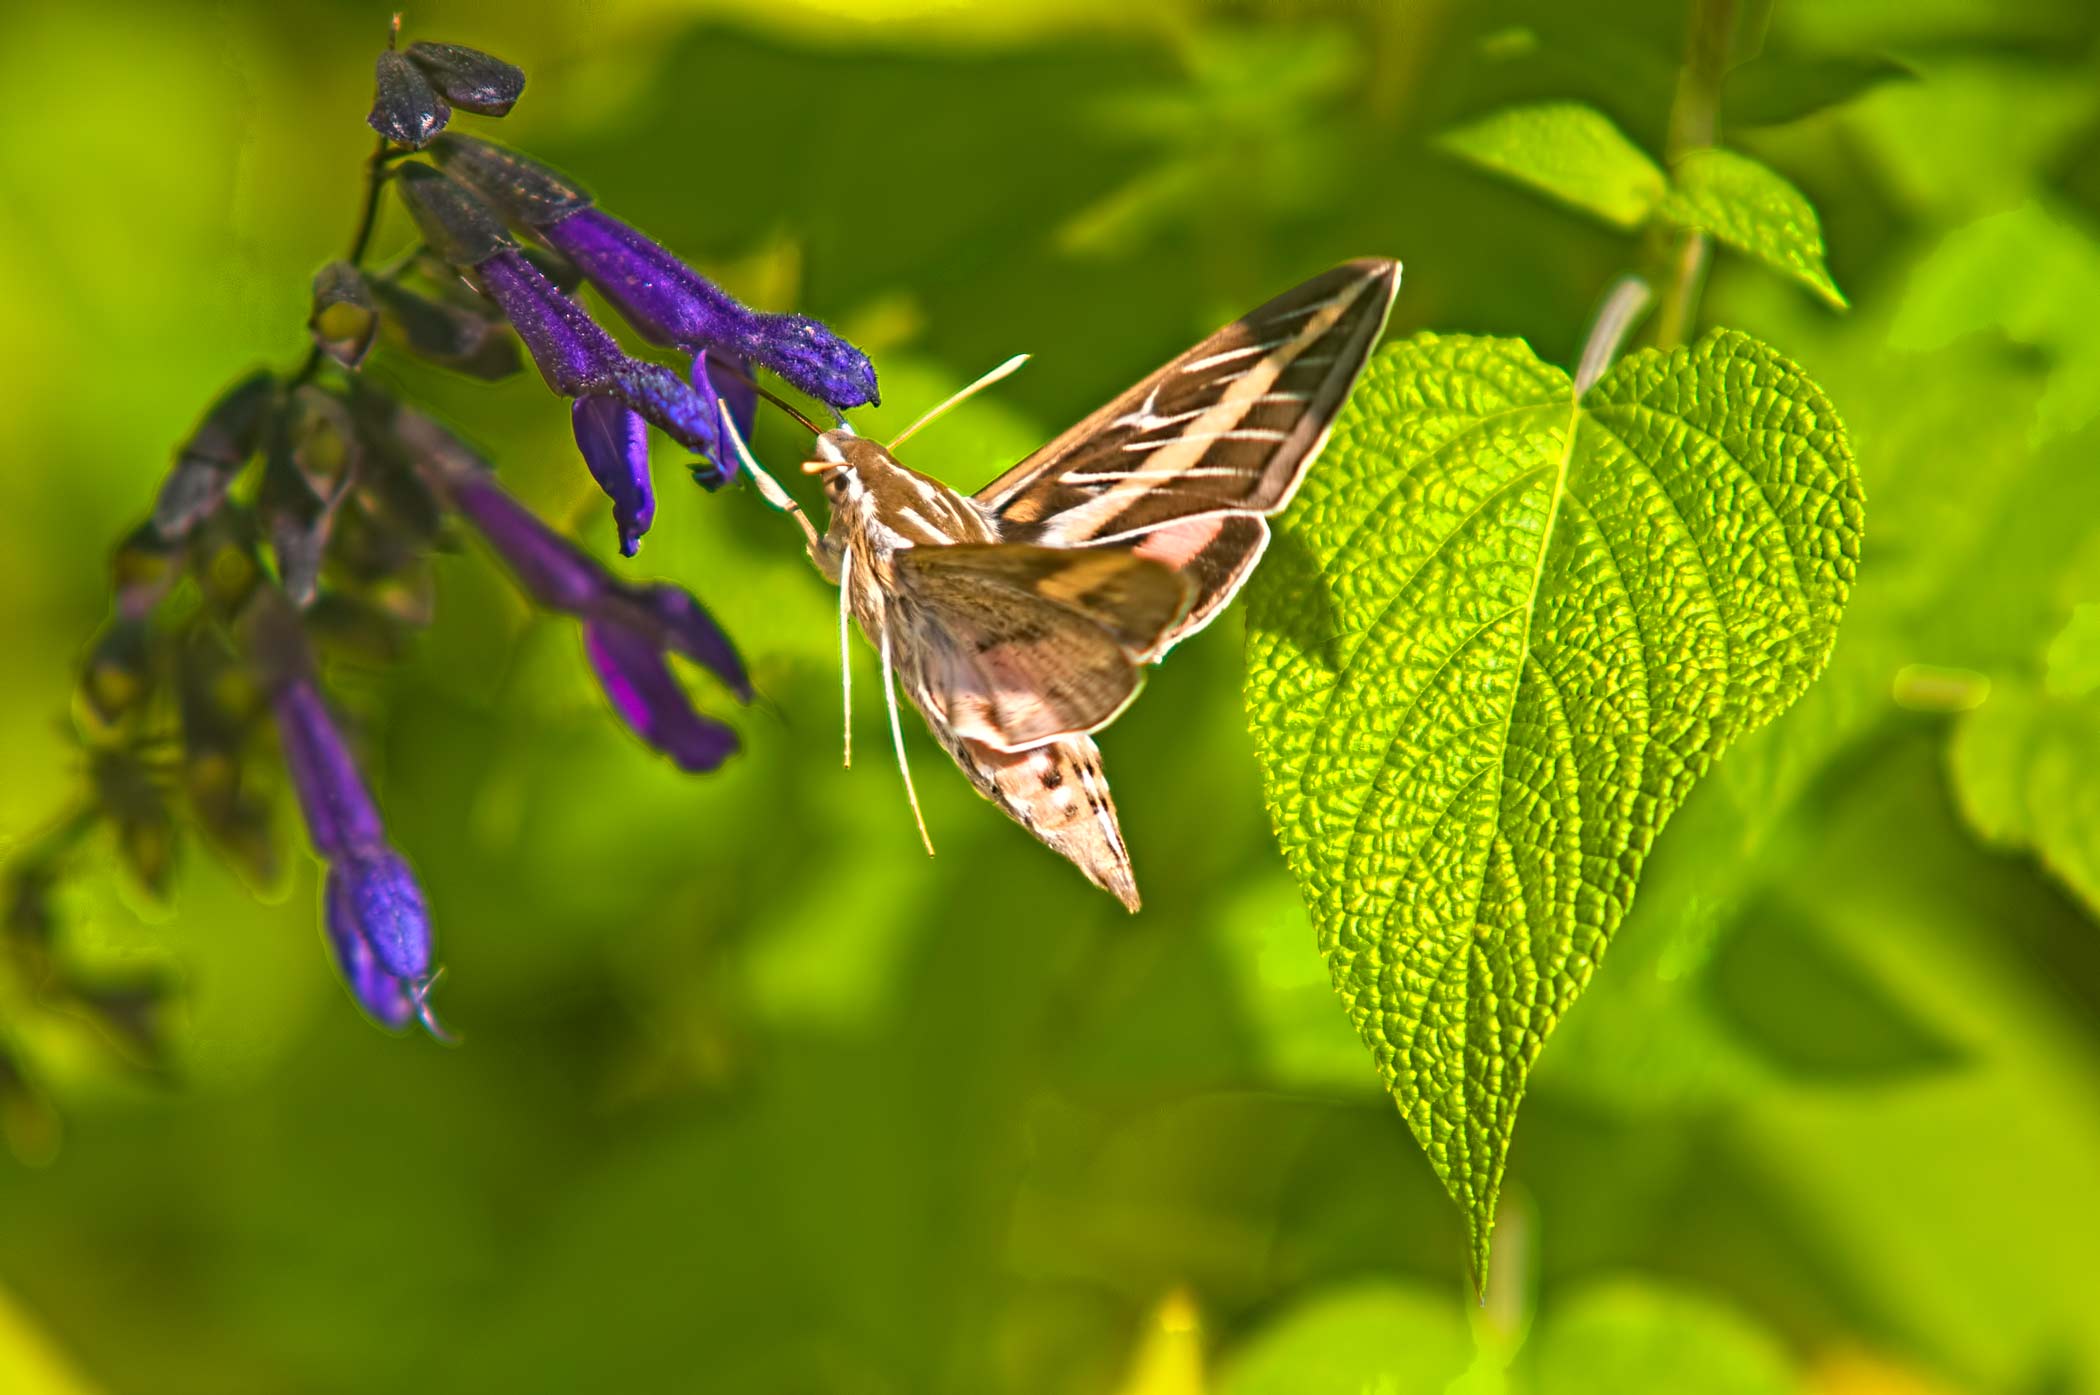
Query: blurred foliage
(754, 1096)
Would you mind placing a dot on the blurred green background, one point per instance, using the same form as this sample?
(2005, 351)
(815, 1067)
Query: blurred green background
(755, 1097)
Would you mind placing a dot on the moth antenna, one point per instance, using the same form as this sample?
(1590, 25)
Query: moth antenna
(846, 646)
(889, 692)
(769, 488)
(955, 399)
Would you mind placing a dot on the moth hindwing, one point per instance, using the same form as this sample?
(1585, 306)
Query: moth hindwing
(1020, 619)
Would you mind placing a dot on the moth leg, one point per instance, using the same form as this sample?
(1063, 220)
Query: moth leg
(889, 691)
(846, 644)
(769, 488)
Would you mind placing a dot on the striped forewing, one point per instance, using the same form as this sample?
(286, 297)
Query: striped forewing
(1228, 428)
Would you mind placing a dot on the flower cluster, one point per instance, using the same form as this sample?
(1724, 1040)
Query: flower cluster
(296, 529)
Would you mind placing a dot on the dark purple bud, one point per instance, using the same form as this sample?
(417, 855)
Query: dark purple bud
(222, 559)
(119, 671)
(649, 699)
(615, 444)
(229, 435)
(813, 358)
(144, 568)
(527, 192)
(406, 109)
(219, 699)
(344, 319)
(357, 629)
(670, 402)
(670, 303)
(295, 518)
(572, 353)
(554, 571)
(128, 1010)
(385, 906)
(131, 797)
(470, 79)
(341, 818)
(680, 624)
(29, 919)
(382, 996)
(456, 225)
(445, 334)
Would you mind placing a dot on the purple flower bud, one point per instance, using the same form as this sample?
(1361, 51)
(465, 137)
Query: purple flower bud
(406, 109)
(382, 996)
(649, 699)
(734, 387)
(670, 303)
(383, 904)
(573, 354)
(577, 358)
(341, 818)
(680, 624)
(470, 79)
(554, 571)
(615, 444)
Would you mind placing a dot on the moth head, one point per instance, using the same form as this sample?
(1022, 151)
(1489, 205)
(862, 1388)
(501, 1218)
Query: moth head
(845, 462)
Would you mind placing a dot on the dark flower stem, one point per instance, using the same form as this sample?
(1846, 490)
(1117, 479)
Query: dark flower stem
(360, 241)
(1678, 256)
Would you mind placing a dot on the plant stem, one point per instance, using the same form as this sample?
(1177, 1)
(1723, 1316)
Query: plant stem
(1622, 306)
(1678, 255)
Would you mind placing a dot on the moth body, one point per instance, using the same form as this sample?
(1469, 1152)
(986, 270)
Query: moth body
(1020, 619)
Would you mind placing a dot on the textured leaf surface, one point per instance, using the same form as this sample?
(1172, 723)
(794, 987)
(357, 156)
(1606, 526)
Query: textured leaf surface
(1499, 639)
(1571, 152)
(1740, 202)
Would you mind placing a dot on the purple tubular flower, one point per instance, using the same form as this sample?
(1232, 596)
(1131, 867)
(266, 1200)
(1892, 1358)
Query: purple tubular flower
(340, 814)
(384, 998)
(648, 698)
(627, 629)
(615, 444)
(580, 360)
(378, 924)
(386, 908)
(670, 303)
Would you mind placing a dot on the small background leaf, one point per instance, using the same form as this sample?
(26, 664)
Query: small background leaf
(1383, 1338)
(2027, 773)
(1630, 1337)
(1506, 637)
(1569, 152)
(1742, 203)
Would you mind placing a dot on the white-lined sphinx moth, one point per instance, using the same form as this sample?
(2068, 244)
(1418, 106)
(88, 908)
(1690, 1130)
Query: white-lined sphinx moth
(1019, 619)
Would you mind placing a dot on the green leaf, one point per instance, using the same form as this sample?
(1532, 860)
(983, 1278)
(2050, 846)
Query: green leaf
(2023, 767)
(1569, 152)
(2033, 274)
(1377, 1338)
(1775, 88)
(1499, 639)
(2073, 660)
(1740, 202)
(1632, 1337)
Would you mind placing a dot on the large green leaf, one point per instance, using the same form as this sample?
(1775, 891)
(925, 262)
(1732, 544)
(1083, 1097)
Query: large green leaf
(1569, 152)
(1502, 635)
(1742, 203)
